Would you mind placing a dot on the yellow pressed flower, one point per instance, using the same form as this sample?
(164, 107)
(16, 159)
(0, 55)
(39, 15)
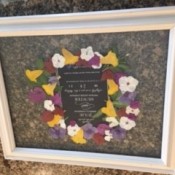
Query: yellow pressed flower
(33, 75)
(112, 87)
(69, 57)
(78, 138)
(110, 58)
(109, 110)
(55, 121)
(49, 88)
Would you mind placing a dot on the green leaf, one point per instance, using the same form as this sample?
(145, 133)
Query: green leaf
(40, 63)
(119, 104)
(123, 67)
(98, 114)
(42, 79)
(58, 89)
(115, 96)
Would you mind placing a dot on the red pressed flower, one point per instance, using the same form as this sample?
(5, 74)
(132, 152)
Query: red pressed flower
(47, 116)
(121, 112)
(83, 63)
(98, 138)
(58, 111)
(48, 66)
(107, 74)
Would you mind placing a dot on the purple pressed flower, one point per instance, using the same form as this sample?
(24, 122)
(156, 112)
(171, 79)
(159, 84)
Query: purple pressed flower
(134, 104)
(72, 123)
(37, 95)
(118, 133)
(57, 132)
(118, 75)
(131, 117)
(95, 60)
(56, 99)
(101, 128)
(53, 79)
(127, 97)
(89, 130)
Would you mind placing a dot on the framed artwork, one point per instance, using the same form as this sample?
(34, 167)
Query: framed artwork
(91, 89)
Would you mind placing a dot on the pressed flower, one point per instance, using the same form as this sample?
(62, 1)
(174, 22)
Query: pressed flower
(37, 95)
(49, 88)
(110, 58)
(126, 123)
(95, 60)
(83, 63)
(57, 132)
(48, 105)
(107, 74)
(118, 133)
(89, 130)
(118, 75)
(56, 99)
(87, 53)
(128, 84)
(58, 61)
(54, 79)
(59, 111)
(47, 116)
(127, 97)
(32, 75)
(78, 137)
(131, 116)
(130, 110)
(96, 64)
(112, 87)
(101, 128)
(55, 121)
(109, 110)
(108, 136)
(121, 112)
(62, 123)
(98, 138)
(112, 121)
(48, 66)
(69, 57)
(134, 104)
(72, 130)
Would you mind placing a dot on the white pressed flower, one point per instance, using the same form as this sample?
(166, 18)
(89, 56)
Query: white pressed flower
(86, 53)
(127, 84)
(108, 135)
(48, 104)
(62, 124)
(112, 121)
(126, 123)
(130, 110)
(72, 130)
(58, 61)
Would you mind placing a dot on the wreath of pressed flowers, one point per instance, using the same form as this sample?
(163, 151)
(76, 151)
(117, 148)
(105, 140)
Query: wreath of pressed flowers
(116, 118)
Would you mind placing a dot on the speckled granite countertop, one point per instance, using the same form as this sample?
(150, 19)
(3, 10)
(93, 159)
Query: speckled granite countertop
(32, 7)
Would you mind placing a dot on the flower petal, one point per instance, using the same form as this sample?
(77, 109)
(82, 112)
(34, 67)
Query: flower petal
(55, 121)
(112, 87)
(109, 110)
(78, 138)
(110, 58)
(49, 88)
(69, 57)
(33, 75)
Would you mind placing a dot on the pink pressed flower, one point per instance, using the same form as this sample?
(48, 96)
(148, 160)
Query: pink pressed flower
(101, 128)
(56, 99)
(37, 95)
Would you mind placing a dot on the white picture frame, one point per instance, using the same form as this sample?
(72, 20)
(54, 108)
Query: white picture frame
(96, 22)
